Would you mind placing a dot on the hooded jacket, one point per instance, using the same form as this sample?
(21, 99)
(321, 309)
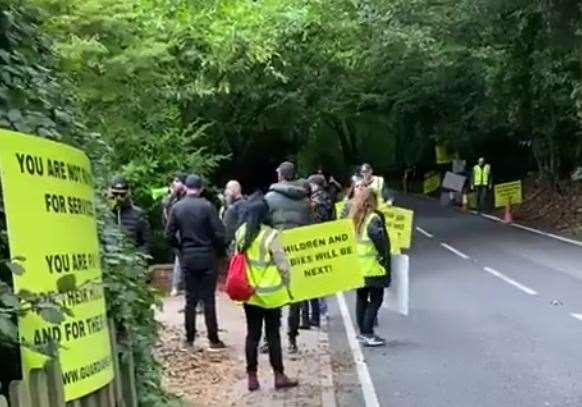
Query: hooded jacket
(288, 205)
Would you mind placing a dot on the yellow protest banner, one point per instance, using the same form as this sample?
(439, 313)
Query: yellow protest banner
(432, 182)
(399, 220)
(323, 259)
(508, 193)
(49, 201)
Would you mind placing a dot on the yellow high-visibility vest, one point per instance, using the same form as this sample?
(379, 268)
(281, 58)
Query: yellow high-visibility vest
(481, 175)
(262, 272)
(377, 186)
(367, 253)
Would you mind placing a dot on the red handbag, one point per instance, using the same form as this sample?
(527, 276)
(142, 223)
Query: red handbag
(238, 287)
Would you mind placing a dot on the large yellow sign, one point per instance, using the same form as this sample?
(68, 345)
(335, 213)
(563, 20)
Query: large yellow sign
(323, 259)
(508, 193)
(432, 182)
(399, 221)
(49, 201)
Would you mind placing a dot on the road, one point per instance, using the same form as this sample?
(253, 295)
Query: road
(495, 320)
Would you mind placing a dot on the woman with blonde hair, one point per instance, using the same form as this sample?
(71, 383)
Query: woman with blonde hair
(374, 255)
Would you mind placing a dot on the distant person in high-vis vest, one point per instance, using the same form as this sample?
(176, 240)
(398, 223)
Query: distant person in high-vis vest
(268, 273)
(373, 248)
(481, 183)
(376, 184)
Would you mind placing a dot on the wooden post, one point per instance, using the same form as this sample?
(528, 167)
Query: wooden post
(55, 383)
(39, 388)
(19, 394)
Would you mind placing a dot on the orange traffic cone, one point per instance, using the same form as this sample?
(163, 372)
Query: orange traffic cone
(507, 216)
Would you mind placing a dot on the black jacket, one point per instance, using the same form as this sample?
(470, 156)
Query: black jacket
(288, 205)
(378, 235)
(195, 229)
(134, 223)
(232, 219)
(323, 207)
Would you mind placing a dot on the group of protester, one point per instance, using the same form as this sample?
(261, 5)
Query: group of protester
(201, 235)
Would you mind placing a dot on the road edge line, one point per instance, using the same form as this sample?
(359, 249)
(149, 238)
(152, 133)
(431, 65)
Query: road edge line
(368, 390)
(536, 231)
(328, 396)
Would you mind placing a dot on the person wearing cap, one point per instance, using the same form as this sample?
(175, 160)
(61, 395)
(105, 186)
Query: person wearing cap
(289, 207)
(128, 216)
(481, 183)
(376, 184)
(196, 231)
(177, 192)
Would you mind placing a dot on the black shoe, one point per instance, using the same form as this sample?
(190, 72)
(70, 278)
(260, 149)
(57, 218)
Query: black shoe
(293, 350)
(217, 346)
(305, 326)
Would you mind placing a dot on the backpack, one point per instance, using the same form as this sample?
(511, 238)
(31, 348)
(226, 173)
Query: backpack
(238, 287)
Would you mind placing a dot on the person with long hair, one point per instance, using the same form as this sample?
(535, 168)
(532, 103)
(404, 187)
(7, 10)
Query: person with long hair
(373, 249)
(268, 273)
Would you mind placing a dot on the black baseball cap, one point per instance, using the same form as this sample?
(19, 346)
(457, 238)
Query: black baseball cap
(119, 183)
(180, 176)
(193, 181)
(286, 170)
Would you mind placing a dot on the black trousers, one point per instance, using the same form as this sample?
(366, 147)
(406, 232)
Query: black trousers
(315, 312)
(200, 287)
(369, 300)
(255, 317)
(482, 196)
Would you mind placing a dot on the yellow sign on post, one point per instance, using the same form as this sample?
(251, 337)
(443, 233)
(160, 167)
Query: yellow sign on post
(432, 182)
(49, 200)
(399, 220)
(323, 259)
(508, 193)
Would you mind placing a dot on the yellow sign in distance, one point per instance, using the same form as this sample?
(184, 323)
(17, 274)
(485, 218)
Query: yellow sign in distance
(323, 259)
(400, 221)
(432, 182)
(509, 193)
(49, 200)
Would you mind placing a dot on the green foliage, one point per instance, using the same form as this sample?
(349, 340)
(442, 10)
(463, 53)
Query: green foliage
(50, 108)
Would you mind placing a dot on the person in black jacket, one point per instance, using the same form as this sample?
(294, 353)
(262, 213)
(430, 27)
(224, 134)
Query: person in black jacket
(131, 218)
(235, 207)
(196, 231)
(289, 208)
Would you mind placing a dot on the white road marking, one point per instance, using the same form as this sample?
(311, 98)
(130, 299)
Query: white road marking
(536, 231)
(455, 251)
(565, 239)
(424, 232)
(368, 390)
(577, 316)
(495, 218)
(508, 280)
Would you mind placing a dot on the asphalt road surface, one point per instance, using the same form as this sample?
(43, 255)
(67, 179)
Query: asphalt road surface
(495, 320)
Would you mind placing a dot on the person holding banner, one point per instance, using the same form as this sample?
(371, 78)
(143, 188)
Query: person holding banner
(288, 202)
(268, 273)
(374, 255)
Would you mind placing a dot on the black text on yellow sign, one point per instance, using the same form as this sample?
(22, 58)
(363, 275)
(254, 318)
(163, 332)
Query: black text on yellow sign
(323, 259)
(509, 193)
(48, 195)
